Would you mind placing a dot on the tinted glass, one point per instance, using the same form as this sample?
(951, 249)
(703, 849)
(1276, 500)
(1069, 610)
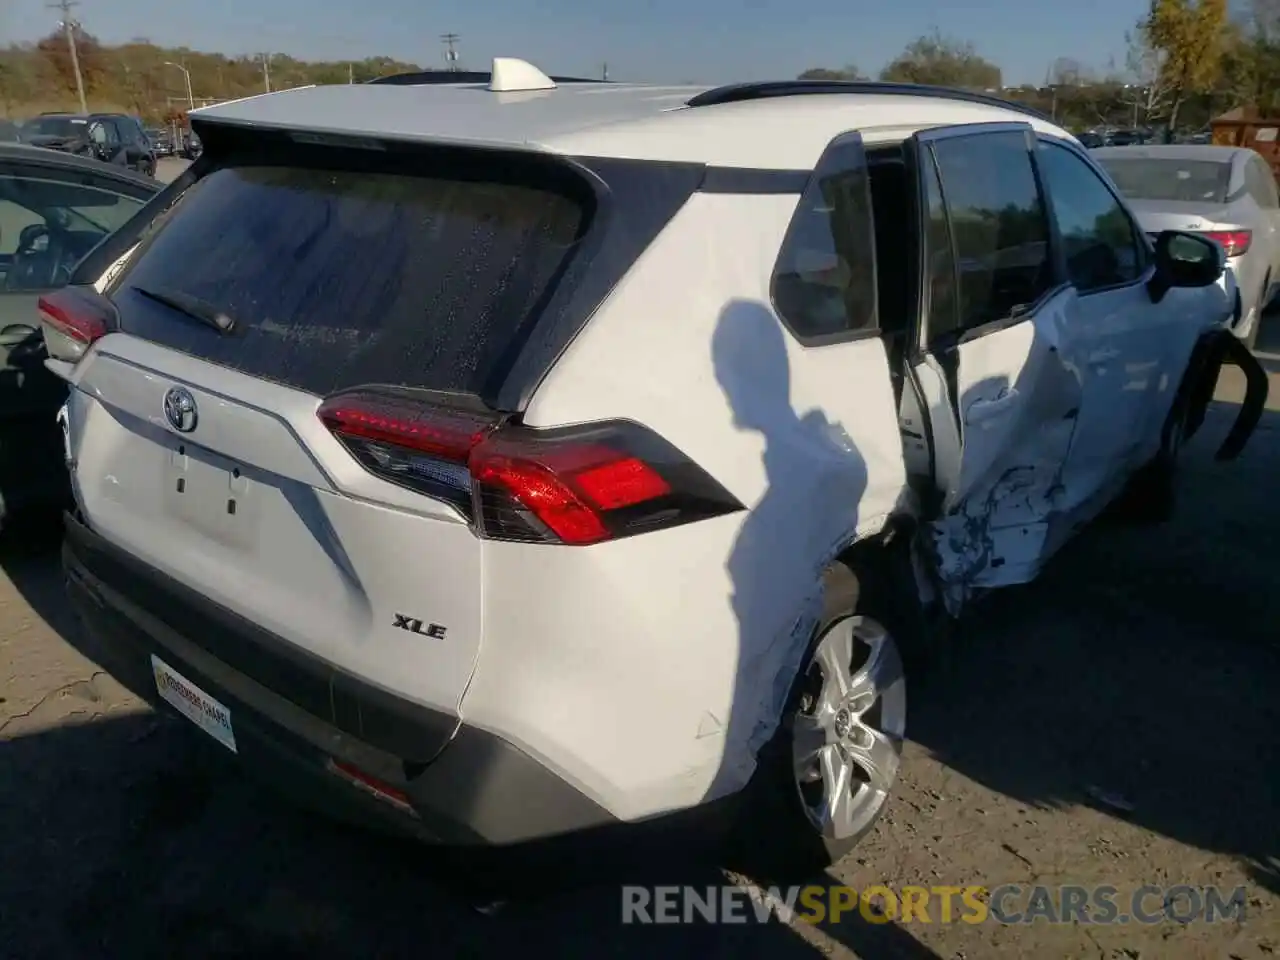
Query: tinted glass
(74, 218)
(56, 127)
(824, 284)
(943, 316)
(1147, 178)
(342, 277)
(999, 224)
(1098, 238)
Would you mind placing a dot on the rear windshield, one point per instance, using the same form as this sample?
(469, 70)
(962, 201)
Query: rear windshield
(1144, 178)
(56, 126)
(336, 278)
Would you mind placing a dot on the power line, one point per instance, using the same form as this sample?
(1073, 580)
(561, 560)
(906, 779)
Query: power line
(69, 27)
(450, 41)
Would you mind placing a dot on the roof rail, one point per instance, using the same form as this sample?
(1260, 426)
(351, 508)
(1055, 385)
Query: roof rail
(424, 77)
(764, 90)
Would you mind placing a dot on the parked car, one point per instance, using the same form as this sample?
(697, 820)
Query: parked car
(161, 141)
(191, 145)
(54, 208)
(499, 492)
(1089, 139)
(1226, 193)
(1124, 138)
(113, 138)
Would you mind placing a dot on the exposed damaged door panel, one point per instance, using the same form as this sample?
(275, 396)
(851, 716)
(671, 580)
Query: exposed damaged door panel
(1044, 372)
(995, 371)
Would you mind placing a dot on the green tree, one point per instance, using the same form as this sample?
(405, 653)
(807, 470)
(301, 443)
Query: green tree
(849, 72)
(1190, 37)
(945, 62)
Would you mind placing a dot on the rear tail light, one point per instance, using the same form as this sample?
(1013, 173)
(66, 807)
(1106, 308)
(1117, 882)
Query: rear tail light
(573, 485)
(1234, 242)
(72, 319)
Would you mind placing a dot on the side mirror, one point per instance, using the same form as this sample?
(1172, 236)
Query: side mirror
(1185, 260)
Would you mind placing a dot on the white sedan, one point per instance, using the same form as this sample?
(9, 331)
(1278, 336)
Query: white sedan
(1227, 193)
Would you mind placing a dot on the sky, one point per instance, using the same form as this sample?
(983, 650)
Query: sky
(699, 41)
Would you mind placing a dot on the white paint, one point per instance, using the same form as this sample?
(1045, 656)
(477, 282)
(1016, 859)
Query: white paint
(649, 670)
(510, 74)
(711, 617)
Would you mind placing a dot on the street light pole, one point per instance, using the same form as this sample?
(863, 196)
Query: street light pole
(191, 100)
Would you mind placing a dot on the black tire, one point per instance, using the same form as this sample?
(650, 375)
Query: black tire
(772, 838)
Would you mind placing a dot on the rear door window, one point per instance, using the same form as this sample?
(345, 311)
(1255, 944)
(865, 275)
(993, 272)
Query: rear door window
(824, 284)
(337, 277)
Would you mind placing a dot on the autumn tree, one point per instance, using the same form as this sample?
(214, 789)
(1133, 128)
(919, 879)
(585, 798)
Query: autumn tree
(1188, 37)
(849, 72)
(942, 61)
(89, 52)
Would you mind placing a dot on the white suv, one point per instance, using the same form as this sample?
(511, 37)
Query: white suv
(511, 459)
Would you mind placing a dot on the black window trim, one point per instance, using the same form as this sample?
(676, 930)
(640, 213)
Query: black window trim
(95, 179)
(924, 140)
(1145, 247)
(840, 141)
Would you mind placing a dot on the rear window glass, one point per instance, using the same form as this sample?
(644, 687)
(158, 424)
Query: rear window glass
(336, 278)
(1203, 181)
(824, 283)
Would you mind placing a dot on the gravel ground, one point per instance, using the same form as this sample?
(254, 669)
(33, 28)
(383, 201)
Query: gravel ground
(1114, 723)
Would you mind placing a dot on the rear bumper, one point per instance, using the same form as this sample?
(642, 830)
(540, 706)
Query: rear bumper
(294, 715)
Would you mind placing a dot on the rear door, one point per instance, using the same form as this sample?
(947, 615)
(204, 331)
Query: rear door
(341, 269)
(994, 359)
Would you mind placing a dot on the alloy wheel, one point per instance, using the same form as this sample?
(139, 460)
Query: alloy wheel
(848, 728)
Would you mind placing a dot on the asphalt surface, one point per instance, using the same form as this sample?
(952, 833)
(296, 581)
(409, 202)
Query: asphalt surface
(1114, 723)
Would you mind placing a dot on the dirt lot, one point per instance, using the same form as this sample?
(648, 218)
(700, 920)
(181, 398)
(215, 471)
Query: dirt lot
(1115, 723)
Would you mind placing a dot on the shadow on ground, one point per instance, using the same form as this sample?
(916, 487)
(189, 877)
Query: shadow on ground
(1140, 671)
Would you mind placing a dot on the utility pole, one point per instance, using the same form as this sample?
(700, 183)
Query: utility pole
(351, 73)
(604, 72)
(69, 30)
(266, 71)
(450, 41)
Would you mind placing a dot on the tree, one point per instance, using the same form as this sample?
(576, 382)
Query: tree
(1147, 90)
(942, 61)
(1067, 72)
(849, 72)
(1190, 38)
(89, 52)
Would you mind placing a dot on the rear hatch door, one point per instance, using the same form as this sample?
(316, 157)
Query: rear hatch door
(199, 450)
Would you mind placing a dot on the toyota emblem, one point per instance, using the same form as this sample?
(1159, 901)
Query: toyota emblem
(180, 409)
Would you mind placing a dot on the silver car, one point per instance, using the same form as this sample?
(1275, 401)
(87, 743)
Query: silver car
(1228, 193)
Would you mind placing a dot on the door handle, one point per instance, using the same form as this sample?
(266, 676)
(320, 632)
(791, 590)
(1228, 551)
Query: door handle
(982, 410)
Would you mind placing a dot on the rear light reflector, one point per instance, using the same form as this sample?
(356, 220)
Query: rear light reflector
(576, 485)
(72, 319)
(372, 786)
(1234, 242)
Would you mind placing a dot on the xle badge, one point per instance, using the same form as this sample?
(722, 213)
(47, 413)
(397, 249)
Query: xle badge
(431, 630)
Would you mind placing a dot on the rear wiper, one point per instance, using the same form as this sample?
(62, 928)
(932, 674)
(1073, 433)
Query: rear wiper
(193, 307)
